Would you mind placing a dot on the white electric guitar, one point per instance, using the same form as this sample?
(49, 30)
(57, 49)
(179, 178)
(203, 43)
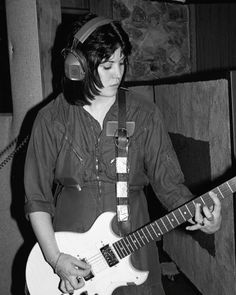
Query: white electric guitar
(107, 253)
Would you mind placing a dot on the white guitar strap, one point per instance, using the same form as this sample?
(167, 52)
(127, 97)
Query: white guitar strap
(122, 170)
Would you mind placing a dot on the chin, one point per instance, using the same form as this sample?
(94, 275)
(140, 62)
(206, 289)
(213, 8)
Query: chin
(110, 93)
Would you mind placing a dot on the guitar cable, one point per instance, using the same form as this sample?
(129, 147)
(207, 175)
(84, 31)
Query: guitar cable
(16, 150)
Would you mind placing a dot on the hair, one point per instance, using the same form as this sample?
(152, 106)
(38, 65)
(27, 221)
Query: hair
(97, 48)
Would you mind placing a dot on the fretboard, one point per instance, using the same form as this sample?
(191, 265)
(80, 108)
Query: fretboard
(154, 230)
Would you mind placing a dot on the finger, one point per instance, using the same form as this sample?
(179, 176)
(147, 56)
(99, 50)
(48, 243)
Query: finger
(211, 208)
(82, 273)
(81, 282)
(216, 201)
(198, 216)
(191, 221)
(62, 286)
(82, 268)
(208, 215)
(196, 226)
(81, 264)
(76, 282)
(85, 272)
(69, 288)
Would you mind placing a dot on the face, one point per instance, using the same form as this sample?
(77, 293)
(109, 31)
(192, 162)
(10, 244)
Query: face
(111, 73)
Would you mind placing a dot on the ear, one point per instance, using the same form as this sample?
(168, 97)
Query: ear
(74, 66)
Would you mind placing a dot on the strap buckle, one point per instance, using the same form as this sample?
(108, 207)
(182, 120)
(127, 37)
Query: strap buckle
(121, 138)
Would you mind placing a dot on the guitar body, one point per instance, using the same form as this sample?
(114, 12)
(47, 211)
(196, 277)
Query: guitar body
(41, 280)
(108, 254)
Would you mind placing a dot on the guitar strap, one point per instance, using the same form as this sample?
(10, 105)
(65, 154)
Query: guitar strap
(122, 169)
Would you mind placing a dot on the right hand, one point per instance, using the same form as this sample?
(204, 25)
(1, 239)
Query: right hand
(71, 272)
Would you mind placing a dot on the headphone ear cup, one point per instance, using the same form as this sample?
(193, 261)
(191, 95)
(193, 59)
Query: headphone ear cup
(74, 66)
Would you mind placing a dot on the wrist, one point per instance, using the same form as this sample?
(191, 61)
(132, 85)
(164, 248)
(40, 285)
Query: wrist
(56, 262)
(52, 258)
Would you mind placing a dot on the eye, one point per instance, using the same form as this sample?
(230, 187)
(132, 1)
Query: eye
(107, 66)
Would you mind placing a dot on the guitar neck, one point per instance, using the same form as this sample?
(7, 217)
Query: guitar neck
(154, 230)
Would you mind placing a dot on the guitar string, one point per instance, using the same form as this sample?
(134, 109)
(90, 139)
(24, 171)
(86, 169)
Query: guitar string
(94, 258)
(98, 258)
(98, 264)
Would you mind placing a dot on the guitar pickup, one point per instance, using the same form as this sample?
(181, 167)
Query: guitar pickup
(109, 255)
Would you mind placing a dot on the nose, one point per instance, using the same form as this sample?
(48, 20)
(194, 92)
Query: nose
(118, 73)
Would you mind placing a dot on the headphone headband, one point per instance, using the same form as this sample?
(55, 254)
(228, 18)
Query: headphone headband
(90, 27)
(75, 62)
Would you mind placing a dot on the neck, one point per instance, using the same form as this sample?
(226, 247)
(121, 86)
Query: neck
(102, 101)
(99, 107)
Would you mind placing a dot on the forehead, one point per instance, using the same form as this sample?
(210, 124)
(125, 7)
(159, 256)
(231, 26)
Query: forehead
(117, 55)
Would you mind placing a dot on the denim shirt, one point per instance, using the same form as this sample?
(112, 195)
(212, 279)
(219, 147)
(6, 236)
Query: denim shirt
(69, 147)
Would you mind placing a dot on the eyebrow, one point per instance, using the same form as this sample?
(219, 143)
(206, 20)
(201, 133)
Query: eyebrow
(112, 61)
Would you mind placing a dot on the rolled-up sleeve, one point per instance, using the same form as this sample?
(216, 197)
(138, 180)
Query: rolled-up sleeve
(39, 167)
(162, 165)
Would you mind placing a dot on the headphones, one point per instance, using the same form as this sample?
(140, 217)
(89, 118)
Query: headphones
(75, 62)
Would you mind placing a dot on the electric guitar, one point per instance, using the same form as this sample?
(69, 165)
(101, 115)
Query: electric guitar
(109, 254)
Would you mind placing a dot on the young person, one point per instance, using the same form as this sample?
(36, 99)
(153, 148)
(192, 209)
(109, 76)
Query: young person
(70, 146)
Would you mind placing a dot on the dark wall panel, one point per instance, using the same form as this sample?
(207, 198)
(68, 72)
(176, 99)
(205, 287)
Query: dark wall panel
(215, 36)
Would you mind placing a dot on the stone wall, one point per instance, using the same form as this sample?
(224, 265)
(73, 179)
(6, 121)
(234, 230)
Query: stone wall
(159, 33)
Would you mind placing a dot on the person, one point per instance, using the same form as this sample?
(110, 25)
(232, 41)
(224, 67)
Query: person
(69, 149)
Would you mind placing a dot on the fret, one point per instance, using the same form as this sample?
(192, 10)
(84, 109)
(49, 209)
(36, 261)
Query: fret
(158, 227)
(134, 244)
(195, 202)
(173, 220)
(126, 250)
(209, 201)
(121, 247)
(175, 217)
(149, 232)
(116, 246)
(164, 224)
(127, 238)
(169, 221)
(140, 237)
(215, 190)
(144, 235)
(202, 200)
(233, 183)
(229, 186)
(225, 190)
(157, 234)
(182, 214)
(189, 211)
(198, 201)
(127, 244)
(220, 192)
(136, 240)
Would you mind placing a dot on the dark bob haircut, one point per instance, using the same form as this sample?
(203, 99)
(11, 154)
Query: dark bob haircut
(97, 48)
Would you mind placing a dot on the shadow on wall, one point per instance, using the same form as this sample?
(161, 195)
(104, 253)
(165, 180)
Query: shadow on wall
(17, 205)
(17, 173)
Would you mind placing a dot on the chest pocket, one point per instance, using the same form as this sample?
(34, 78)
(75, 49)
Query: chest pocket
(71, 163)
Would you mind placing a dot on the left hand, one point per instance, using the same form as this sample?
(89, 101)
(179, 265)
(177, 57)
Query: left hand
(207, 219)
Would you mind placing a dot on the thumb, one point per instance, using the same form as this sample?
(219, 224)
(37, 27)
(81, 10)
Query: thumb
(81, 264)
